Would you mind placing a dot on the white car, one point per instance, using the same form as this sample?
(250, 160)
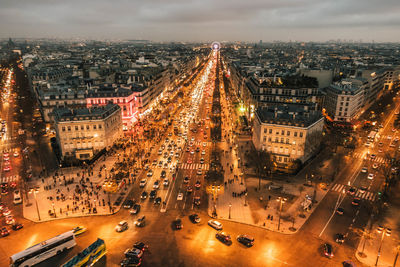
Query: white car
(180, 196)
(203, 152)
(364, 170)
(166, 182)
(16, 154)
(17, 197)
(375, 166)
(156, 184)
(370, 176)
(121, 226)
(215, 224)
(143, 182)
(150, 173)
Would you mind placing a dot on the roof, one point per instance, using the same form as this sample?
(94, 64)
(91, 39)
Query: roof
(95, 112)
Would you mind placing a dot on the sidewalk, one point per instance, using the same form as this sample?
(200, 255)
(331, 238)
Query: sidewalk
(73, 192)
(367, 251)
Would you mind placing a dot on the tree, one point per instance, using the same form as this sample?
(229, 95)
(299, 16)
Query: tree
(261, 161)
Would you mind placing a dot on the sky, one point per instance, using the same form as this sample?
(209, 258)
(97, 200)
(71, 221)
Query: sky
(203, 20)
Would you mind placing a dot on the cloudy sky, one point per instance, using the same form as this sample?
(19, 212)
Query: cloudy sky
(203, 20)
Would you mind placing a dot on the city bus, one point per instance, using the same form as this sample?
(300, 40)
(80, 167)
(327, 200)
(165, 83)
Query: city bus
(44, 250)
(371, 136)
(89, 256)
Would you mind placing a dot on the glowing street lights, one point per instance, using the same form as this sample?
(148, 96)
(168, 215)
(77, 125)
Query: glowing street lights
(384, 231)
(34, 191)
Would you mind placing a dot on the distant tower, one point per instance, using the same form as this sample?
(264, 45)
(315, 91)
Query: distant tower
(215, 46)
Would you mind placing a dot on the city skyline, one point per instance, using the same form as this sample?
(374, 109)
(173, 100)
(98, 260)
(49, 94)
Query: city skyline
(203, 21)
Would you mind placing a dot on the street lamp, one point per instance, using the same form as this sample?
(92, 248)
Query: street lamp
(384, 231)
(230, 206)
(281, 200)
(34, 192)
(54, 210)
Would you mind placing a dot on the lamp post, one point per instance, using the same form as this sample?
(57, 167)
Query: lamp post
(281, 200)
(385, 231)
(34, 192)
(54, 210)
(230, 205)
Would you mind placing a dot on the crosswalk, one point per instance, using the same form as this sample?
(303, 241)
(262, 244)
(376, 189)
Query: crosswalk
(364, 195)
(9, 179)
(194, 166)
(363, 155)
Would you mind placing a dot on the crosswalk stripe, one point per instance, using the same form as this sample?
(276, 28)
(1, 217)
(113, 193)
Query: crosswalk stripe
(373, 199)
(358, 194)
(340, 188)
(367, 195)
(335, 187)
(371, 196)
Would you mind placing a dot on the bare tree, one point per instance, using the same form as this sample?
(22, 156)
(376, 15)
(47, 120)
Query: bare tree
(262, 162)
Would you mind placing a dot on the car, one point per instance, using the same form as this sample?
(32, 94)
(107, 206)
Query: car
(373, 156)
(133, 253)
(339, 238)
(121, 226)
(224, 237)
(199, 172)
(166, 182)
(128, 204)
(7, 168)
(180, 196)
(131, 262)
(189, 161)
(351, 191)
(198, 149)
(197, 185)
(215, 224)
(140, 222)
(6, 158)
(17, 226)
(163, 174)
(156, 184)
(154, 162)
(16, 154)
(149, 173)
(186, 180)
(177, 224)
(246, 240)
(362, 189)
(367, 144)
(389, 137)
(196, 201)
(6, 211)
(364, 170)
(189, 189)
(140, 245)
(380, 144)
(10, 220)
(157, 200)
(328, 250)
(375, 166)
(340, 211)
(370, 176)
(143, 182)
(135, 209)
(160, 152)
(79, 230)
(356, 201)
(4, 232)
(17, 197)
(194, 218)
(153, 194)
(143, 195)
(203, 152)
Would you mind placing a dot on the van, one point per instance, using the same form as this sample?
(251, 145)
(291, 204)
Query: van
(17, 197)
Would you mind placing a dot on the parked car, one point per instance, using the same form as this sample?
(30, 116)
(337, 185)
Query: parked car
(121, 226)
(194, 218)
(17, 197)
(180, 196)
(4, 232)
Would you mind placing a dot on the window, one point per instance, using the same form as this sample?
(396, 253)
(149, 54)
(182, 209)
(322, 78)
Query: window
(82, 128)
(341, 103)
(301, 134)
(87, 127)
(265, 130)
(295, 134)
(94, 127)
(269, 139)
(283, 132)
(99, 126)
(264, 139)
(63, 128)
(287, 140)
(76, 128)
(270, 131)
(282, 140)
(69, 128)
(277, 133)
(276, 139)
(288, 133)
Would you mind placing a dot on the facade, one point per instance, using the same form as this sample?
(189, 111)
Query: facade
(345, 99)
(289, 133)
(130, 98)
(82, 133)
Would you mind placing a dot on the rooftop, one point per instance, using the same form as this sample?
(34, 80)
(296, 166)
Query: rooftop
(93, 113)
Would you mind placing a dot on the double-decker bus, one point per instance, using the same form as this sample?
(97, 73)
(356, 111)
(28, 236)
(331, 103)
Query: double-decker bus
(89, 256)
(44, 250)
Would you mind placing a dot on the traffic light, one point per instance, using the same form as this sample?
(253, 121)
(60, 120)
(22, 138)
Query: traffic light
(379, 194)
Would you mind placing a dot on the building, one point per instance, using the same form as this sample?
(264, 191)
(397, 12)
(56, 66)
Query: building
(290, 133)
(82, 133)
(129, 97)
(344, 100)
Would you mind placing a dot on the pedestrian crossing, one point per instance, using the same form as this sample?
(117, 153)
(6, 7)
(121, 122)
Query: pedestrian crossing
(365, 156)
(364, 195)
(194, 166)
(9, 179)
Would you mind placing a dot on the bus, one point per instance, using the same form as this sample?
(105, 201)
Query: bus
(89, 256)
(44, 250)
(371, 136)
